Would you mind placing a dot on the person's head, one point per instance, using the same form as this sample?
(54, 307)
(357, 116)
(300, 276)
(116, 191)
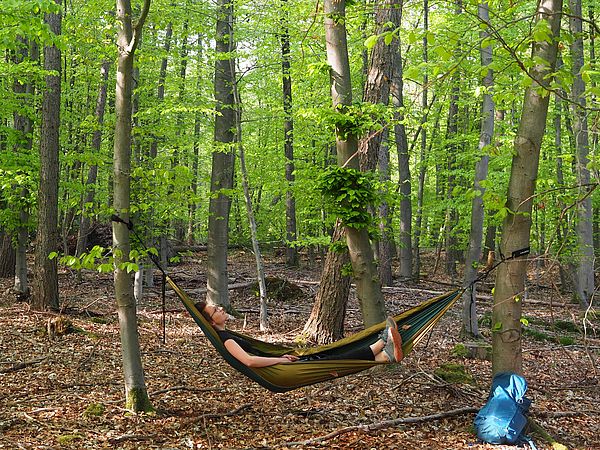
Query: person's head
(215, 315)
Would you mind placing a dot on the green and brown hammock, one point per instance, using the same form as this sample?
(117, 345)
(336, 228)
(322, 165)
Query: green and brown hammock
(413, 325)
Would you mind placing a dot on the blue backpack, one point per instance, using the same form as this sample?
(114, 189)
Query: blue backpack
(502, 419)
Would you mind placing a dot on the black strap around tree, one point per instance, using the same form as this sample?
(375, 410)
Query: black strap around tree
(153, 258)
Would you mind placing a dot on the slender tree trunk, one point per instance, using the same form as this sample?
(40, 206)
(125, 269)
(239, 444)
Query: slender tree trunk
(45, 281)
(136, 396)
(222, 159)
(584, 277)
(404, 181)
(196, 148)
(368, 287)
(291, 252)
(84, 220)
(24, 127)
(422, 165)
(510, 280)
(452, 255)
(260, 268)
(469, 320)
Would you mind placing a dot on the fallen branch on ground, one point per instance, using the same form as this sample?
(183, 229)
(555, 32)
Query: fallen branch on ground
(385, 424)
(22, 365)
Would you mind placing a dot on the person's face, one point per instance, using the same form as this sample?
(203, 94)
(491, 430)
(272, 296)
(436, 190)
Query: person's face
(216, 314)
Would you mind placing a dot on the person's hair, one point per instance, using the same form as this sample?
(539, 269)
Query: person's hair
(200, 305)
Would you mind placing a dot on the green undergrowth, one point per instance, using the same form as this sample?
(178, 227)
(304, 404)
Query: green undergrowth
(453, 373)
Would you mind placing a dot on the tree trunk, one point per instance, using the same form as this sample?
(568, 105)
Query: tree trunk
(422, 165)
(7, 255)
(136, 396)
(584, 276)
(469, 319)
(368, 287)
(84, 220)
(452, 150)
(260, 268)
(291, 251)
(377, 90)
(222, 159)
(45, 281)
(326, 321)
(404, 182)
(510, 280)
(24, 128)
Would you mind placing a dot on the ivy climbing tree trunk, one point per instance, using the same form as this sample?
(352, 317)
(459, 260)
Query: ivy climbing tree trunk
(223, 158)
(584, 276)
(45, 276)
(469, 320)
(510, 279)
(368, 287)
(136, 395)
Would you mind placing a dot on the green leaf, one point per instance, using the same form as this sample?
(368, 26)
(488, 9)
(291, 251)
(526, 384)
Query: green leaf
(371, 41)
(497, 326)
(524, 321)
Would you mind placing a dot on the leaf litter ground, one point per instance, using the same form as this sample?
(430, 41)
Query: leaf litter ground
(67, 392)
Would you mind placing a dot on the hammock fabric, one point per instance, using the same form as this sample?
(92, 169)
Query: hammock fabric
(413, 325)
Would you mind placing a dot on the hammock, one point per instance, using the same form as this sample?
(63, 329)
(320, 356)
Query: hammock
(413, 325)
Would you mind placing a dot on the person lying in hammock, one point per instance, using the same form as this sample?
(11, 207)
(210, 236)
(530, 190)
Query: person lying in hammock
(388, 348)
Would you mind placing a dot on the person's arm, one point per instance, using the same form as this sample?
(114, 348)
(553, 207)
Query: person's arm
(255, 361)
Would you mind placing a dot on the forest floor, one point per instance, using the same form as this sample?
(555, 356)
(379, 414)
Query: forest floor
(67, 391)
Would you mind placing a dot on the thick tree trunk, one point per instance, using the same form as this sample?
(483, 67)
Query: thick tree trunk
(510, 280)
(368, 287)
(469, 319)
(222, 159)
(7, 255)
(45, 281)
(84, 220)
(326, 321)
(584, 277)
(377, 90)
(136, 396)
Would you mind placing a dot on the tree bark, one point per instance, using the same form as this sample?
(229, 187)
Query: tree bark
(223, 158)
(404, 181)
(422, 166)
(469, 318)
(326, 321)
(510, 280)
(136, 396)
(45, 281)
(377, 90)
(84, 220)
(291, 251)
(584, 276)
(368, 287)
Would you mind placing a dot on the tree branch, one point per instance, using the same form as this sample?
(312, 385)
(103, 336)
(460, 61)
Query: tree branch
(385, 424)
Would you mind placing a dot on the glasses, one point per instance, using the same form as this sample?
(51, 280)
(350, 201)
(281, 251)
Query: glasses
(218, 308)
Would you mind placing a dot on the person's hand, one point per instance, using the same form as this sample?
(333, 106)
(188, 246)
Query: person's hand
(290, 358)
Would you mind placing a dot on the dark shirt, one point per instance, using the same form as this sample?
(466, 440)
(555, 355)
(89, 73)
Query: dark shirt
(225, 335)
